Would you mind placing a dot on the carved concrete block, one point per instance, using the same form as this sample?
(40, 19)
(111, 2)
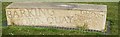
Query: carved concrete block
(67, 15)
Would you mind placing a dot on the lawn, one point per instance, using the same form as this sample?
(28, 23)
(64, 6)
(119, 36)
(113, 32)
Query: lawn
(112, 13)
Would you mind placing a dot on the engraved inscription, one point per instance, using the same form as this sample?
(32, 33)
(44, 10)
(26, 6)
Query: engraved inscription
(56, 17)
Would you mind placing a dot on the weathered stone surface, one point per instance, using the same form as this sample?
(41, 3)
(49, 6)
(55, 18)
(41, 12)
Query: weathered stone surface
(57, 14)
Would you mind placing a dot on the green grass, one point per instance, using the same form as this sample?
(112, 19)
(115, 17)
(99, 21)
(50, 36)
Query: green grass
(24, 30)
(0, 19)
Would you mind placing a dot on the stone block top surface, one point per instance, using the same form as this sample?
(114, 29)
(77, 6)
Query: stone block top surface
(58, 6)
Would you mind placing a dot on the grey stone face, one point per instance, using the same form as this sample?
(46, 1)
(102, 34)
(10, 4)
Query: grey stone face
(57, 14)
